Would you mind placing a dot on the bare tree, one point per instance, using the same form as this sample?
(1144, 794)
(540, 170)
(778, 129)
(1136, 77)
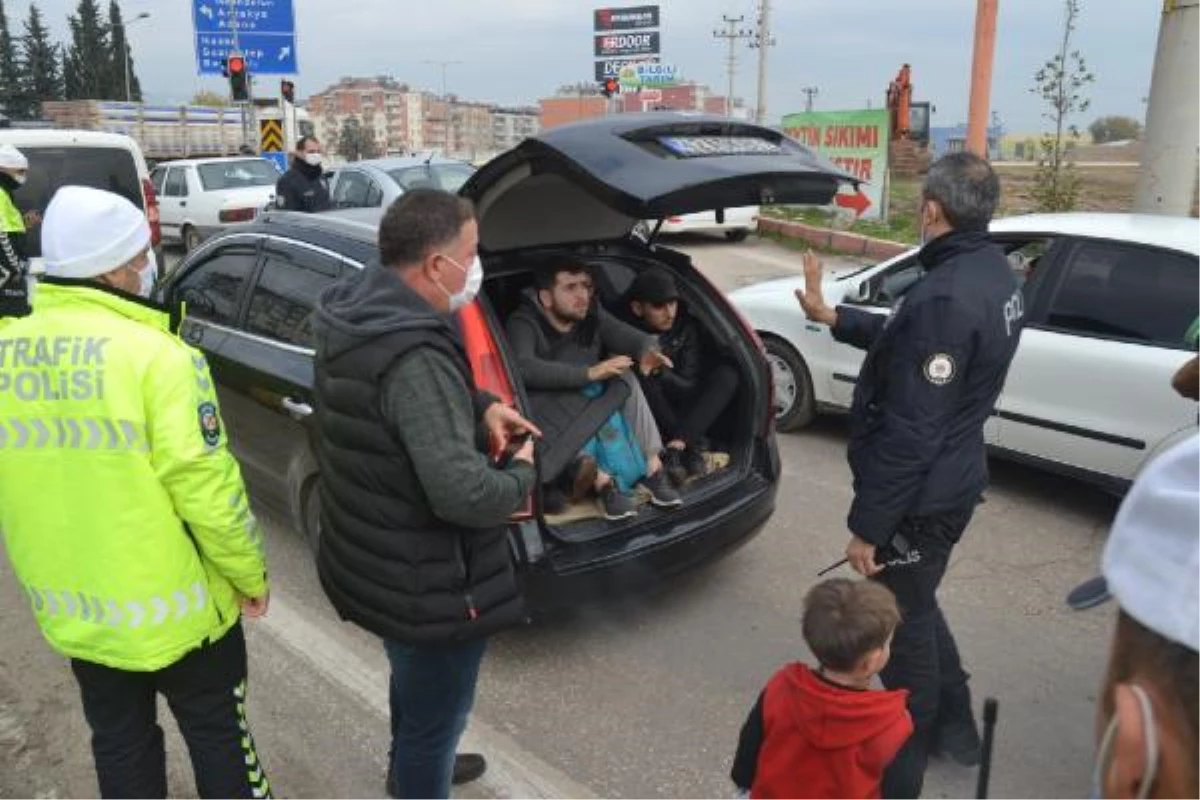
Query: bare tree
(1061, 84)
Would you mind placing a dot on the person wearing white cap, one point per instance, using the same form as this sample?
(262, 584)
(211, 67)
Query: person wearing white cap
(14, 269)
(123, 512)
(1149, 705)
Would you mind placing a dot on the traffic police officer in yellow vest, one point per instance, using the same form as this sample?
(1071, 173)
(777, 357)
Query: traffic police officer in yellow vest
(14, 288)
(123, 512)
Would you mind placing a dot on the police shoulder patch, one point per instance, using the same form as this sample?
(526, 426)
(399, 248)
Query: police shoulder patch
(939, 369)
(210, 424)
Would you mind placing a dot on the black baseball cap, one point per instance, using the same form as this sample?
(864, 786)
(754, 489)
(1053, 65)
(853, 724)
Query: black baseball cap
(655, 285)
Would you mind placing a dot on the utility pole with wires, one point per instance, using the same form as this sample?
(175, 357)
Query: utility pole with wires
(732, 34)
(445, 102)
(809, 93)
(762, 39)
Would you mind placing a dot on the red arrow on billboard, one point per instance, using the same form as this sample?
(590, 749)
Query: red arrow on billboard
(857, 202)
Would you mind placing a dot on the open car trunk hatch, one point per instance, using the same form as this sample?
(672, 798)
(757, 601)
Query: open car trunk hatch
(594, 180)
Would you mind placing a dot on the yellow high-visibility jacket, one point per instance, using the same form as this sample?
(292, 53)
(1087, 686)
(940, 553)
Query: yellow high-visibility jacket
(123, 512)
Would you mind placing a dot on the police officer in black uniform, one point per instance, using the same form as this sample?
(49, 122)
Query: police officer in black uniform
(303, 187)
(930, 380)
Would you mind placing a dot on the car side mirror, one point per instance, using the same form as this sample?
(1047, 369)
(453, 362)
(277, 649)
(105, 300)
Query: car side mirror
(859, 292)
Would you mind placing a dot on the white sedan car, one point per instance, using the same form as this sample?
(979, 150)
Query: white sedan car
(202, 196)
(735, 223)
(1111, 307)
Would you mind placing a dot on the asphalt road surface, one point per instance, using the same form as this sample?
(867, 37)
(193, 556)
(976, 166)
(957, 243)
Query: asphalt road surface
(643, 697)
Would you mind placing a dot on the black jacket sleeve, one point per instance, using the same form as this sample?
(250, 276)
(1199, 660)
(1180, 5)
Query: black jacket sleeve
(14, 288)
(688, 358)
(745, 761)
(931, 353)
(289, 194)
(856, 327)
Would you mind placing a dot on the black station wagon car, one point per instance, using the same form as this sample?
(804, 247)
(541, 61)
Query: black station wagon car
(580, 189)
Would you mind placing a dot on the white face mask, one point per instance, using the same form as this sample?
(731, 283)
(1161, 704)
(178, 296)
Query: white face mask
(147, 276)
(470, 289)
(312, 159)
(20, 178)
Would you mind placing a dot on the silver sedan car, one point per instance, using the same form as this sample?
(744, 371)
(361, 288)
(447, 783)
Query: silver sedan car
(378, 182)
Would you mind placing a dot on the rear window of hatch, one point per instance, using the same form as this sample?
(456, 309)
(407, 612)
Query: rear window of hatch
(50, 168)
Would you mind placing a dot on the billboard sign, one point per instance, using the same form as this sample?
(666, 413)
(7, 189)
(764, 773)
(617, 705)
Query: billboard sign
(611, 67)
(625, 19)
(617, 45)
(855, 141)
(641, 75)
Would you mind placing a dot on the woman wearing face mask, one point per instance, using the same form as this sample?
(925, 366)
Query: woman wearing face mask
(14, 287)
(1147, 719)
(303, 187)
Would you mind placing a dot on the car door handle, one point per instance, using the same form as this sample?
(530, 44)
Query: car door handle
(295, 408)
(182, 203)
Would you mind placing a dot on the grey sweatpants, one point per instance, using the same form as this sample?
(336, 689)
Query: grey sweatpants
(637, 413)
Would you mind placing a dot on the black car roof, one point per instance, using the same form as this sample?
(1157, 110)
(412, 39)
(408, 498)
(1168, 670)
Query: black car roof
(352, 235)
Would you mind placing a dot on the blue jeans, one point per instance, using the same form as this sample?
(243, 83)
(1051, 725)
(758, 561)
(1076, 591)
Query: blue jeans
(431, 694)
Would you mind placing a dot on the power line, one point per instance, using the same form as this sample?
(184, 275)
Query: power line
(732, 34)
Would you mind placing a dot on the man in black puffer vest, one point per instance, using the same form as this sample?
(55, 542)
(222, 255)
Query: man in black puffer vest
(413, 511)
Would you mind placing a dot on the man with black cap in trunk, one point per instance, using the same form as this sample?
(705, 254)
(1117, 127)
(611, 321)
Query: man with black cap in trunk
(688, 399)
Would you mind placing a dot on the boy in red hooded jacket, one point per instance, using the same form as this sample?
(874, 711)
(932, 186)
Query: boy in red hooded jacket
(825, 732)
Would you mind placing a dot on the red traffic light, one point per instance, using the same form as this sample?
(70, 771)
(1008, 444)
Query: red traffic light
(609, 87)
(236, 64)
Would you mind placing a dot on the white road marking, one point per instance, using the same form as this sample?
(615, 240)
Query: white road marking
(512, 771)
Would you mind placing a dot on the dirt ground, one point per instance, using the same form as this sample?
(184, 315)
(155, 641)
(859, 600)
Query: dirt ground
(1103, 188)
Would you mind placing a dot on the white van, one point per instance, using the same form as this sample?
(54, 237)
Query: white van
(109, 161)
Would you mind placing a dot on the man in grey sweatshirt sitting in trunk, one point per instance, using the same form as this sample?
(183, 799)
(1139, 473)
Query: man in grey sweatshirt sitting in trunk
(576, 361)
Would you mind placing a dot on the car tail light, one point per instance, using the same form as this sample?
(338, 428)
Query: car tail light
(487, 365)
(674, 220)
(237, 214)
(152, 211)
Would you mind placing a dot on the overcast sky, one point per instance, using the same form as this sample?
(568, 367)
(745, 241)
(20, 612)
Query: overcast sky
(515, 51)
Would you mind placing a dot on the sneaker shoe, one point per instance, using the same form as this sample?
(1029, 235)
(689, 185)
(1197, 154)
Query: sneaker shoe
(693, 462)
(672, 464)
(662, 493)
(1090, 593)
(580, 477)
(958, 741)
(467, 767)
(617, 504)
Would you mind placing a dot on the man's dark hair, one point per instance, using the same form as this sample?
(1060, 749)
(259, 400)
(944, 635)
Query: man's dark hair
(303, 140)
(967, 189)
(422, 220)
(1173, 668)
(844, 620)
(546, 275)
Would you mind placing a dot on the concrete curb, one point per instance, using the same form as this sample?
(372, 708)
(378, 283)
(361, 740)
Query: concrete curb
(512, 772)
(852, 244)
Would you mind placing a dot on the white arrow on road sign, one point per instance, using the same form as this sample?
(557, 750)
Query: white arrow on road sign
(206, 11)
(284, 53)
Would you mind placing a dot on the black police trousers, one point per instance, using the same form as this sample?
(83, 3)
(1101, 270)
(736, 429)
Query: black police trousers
(924, 656)
(206, 690)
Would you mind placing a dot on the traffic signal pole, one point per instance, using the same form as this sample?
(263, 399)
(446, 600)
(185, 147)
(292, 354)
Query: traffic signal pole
(1167, 178)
